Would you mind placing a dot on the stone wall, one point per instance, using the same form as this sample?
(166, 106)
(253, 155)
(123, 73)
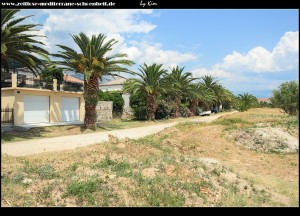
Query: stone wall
(104, 111)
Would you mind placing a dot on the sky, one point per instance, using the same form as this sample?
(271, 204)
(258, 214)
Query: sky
(247, 50)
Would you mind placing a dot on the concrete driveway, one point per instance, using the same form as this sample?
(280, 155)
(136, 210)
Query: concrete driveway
(36, 146)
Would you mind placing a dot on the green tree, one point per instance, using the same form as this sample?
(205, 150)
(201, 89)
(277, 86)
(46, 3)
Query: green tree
(18, 42)
(138, 105)
(228, 99)
(246, 101)
(50, 72)
(148, 84)
(198, 93)
(177, 84)
(212, 85)
(93, 62)
(287, 97)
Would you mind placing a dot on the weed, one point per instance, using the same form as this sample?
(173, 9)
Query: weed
(216, 172)
(83, 189)
(230, 198)
(29, 168)
(105, 163)
(18, 178)
(46, 172)
(231, 121)
(122, 169)
(261, 196)
(156, 192)
(45, 193)
(74, 166)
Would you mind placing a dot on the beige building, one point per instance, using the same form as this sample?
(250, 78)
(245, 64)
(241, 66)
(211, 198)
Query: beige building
(117, 85)
(41, 105)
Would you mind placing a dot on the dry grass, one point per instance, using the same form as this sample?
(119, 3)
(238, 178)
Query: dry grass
(189, 165)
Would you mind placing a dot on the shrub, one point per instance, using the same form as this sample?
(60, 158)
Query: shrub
(83, 188)
(138, 105)
(116, 98)
(46, 172)
(184, 110)
(287, 97)
(165, 109)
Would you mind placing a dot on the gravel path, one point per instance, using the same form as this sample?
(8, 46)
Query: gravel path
(29, 147)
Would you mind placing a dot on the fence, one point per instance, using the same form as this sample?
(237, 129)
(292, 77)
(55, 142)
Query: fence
(7, 116)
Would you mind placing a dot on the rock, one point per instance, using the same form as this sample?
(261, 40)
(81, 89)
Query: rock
(27, 181)
(112, 138)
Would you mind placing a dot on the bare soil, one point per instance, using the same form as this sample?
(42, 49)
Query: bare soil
(266, 139)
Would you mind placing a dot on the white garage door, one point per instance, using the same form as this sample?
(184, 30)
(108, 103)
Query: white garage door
(36, 109)
(70, 109)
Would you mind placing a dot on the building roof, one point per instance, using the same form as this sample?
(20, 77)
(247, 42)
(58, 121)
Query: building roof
(264, 100)
(119, 81)
(72, 79)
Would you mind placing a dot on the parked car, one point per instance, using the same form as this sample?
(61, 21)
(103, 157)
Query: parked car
(214, 110)
(205, 113)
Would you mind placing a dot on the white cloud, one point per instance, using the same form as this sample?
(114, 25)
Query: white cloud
(241, 71)
(114, 23)
(61, 23)
(213, 72)
(284, 56)
(96, 21)
(143, 52)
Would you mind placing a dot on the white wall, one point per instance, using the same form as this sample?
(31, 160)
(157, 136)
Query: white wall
(111, 88)
(126, 97)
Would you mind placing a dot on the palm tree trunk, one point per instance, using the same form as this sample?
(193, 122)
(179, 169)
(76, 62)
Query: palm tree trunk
(151, 107)
(193, 107)
(91, 89)
(177, 107)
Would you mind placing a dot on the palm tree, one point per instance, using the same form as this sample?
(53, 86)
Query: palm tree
(18, 42)
(228, 99)
(177, 83)
(246, 101)
(210, 83)
(50, 72)
(93, 63)
(149, 84)
(197, 92)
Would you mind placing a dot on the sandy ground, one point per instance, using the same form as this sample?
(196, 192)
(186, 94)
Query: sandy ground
(74, 141)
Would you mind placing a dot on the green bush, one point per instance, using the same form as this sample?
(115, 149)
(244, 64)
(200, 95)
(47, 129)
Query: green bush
(165, 109)
(138, 105)
(83, 189)
(287, 97)
(246, 101)
(46, 172)
(116, 98)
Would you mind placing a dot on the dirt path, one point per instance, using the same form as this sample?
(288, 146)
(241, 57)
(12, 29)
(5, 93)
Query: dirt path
(74, 141)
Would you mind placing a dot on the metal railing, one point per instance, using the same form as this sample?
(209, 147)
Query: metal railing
(7, 116)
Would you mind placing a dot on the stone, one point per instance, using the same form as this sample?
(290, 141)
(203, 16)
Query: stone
(104, 111)
(27, 181)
